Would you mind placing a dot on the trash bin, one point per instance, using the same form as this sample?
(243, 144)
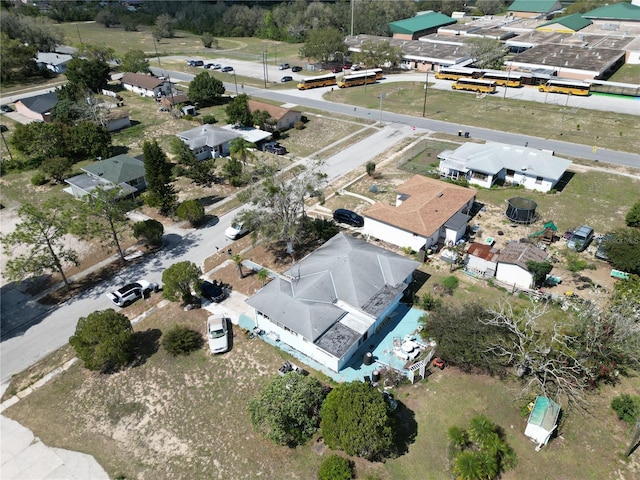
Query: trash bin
(466, 134)
(368, 358)
(459, 133)
(375, 376)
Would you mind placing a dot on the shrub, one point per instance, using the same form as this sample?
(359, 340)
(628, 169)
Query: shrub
(38, 179)
(371, 168)
(632, 218)
(450, 283)
(335, 467)
(181, 340)
(150, 231)
(298, 125)
(627, 407)
(209, 119)
(187, 117)
(428, 302)
(192, 211)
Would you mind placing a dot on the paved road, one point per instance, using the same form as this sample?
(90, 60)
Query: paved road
(314, 99)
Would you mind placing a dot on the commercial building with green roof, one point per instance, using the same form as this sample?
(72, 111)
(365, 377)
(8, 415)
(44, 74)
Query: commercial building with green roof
(618, 11)
(533, 8)
(416, 27)
(568, 24)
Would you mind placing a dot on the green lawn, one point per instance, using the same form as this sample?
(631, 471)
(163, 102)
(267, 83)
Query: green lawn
(627, 74)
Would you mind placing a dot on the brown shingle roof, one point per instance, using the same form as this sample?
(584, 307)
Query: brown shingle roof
(486, 252)
(521, 253)
(427, 205)
(275, 111)
(145, 81)
(175, 99)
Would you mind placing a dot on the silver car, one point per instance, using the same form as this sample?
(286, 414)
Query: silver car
(217, 333)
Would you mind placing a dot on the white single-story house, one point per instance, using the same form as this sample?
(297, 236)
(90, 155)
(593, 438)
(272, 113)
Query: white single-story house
(482, 259)
(543, 420)
(284, 118)
(484, 164)
(56, 62)
(328, 304)
(146, 85)
(512, 264)
(37, 108)
(207, 141)
(122, 171)
(426, 212)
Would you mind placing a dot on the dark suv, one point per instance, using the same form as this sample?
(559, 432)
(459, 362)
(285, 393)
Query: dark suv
(343, 215)
(213, 291)
(274, 147)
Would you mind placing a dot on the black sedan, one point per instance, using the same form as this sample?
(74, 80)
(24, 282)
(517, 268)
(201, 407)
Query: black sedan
(342, 215)
(296, 68)
(213, 291)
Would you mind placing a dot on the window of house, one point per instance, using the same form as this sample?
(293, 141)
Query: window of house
(479, 176)
(510, 173)
(538, 180)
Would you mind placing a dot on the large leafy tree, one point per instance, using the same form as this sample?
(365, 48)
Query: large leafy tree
(86, 139)
(35, 32)
(104, 341)
(102, 215)
(356, 418)
(379, 53)
(39, 140)
(179, 279)
(90, 74)
(158, 173)
(41, 233)
(56, 167)
(191, 211)
(149, 231)
(135, 61)
(633, 216)
(238, 111)
(322, 43)
(464, 344)
(622, 247)
(232, 170)
(205, 90)
(287, 410)
(164, 27)
(202, 172)
(490, 7)
(16, 59)
(486, 52)
(91, 51)
(280, 204)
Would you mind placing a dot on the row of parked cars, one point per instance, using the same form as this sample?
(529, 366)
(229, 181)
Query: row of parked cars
(209, 66)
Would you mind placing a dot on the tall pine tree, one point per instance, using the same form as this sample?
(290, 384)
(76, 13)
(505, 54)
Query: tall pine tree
(161, 193)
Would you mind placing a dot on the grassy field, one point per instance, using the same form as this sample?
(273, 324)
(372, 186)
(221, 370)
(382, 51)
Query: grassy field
(587, 127)
(627, 74)
(186, 418)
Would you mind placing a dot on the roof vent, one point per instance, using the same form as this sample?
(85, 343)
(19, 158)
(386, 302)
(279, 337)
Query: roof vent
(440, 195)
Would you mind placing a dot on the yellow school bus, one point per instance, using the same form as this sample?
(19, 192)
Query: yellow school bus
(568, 87)
(315, 82)
(474, 85)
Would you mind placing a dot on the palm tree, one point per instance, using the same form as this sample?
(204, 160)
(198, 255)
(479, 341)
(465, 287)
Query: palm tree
(240, 150)
(468, 466)
(237, 259)
(481, 430)
(262, 275)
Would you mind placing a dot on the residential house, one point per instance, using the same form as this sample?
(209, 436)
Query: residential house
(38, 108)
(56, 62)
(122, 171)
(331, 302)
(426, 212)
(512, 264)
(534, 8)
(486, 164)
(207, 141)
(284, 118)
(419, 26)
(170, 101)
(482, 260)
(146, 85)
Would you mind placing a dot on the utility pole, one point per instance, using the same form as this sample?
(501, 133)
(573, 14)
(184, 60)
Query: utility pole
(6, 145)
(426, 87)
(382, 97)
(353, 3)
(78, 30)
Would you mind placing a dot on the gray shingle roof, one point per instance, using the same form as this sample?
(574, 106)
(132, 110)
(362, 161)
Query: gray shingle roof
(344, 269)
(207, 135)
(41, 103)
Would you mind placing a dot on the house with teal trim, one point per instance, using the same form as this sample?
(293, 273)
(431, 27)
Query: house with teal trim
(420, 25)
(534, 8)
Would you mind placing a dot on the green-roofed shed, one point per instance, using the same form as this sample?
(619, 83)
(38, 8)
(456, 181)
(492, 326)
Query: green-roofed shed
(617, 11)
(416, 27)
(533, 8)
(568, 24)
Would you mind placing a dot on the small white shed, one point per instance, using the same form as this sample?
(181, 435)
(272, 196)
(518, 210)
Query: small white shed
(543, 420)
